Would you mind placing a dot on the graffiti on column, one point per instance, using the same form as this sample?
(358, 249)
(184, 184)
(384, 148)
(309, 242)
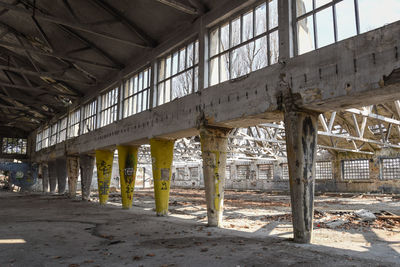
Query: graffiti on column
(129, 175)
(104, 185)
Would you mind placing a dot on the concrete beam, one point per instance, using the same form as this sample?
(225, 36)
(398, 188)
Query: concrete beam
(354, 72)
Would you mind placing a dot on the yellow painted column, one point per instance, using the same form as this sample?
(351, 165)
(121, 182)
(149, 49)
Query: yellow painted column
(127, 159)
(104, 163)
(214, 145)
(161, 154)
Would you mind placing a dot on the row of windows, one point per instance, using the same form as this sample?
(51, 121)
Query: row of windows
(13, 146)
(323, 22)
(236, 47)
(323, 171)
(351, 170)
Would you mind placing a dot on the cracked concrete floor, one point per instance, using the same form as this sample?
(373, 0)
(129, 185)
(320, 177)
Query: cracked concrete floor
(45, 230)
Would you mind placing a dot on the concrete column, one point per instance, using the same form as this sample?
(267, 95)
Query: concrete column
(73, 172)
(61, 166)
(127, 160)
(161, 155)
(301, 145)
(104, 163)
(86, 163)
(45, 177)
(214, 145)
(52, 167)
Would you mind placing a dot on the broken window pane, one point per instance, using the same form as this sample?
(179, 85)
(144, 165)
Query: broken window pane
(214, 79)
(214, 42)
(303, 6)
(305, 35)
(319, 3)
(224, 68)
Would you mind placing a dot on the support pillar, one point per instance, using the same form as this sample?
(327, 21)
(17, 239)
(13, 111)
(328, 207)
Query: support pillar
(45, 177)
(86, 163)
(61, 166)
(52, 176)
(73, 172)
(161, 155)
(104, 163)
(301, 144)
(127, 159)
(214, 145)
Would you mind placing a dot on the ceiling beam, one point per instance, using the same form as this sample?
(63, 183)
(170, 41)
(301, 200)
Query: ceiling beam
(126, 22)
(92, 46)
(78, 26)
(57, 55)
(39, 89)
(44, 74)
(180, 6)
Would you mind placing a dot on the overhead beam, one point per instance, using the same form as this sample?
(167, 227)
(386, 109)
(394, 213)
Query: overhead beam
(180, 6)
(368, 114)
(78, 26)
(128, 23)
(92, 46)
(57, 55)
(44, 74)
(39, 89)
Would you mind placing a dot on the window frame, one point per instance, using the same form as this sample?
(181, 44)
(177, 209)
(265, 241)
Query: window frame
(242, 43)
(133, 82)
(109, 102)
(194, 68)
(89, 115)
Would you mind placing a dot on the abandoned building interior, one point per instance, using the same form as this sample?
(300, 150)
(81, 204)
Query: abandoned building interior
(199, 132)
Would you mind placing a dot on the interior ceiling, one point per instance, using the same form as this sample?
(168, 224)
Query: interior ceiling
(53, 52)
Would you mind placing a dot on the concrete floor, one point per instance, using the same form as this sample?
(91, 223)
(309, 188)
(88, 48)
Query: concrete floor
(62, 232)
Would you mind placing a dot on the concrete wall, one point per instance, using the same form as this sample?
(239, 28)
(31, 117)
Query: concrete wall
(255, 181)
(23, 175)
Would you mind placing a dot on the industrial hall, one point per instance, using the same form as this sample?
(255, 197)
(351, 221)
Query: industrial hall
(199, 133)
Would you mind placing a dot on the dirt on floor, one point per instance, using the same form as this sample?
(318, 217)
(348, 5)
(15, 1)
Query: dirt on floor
(51, 230)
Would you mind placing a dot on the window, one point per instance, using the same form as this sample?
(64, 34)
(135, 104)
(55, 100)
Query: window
(194, 173)
(177, 74)
(62, 130)
(228, 172)
(137, 93)
(266, 171)
(323, 22)
(53, 135)
(244, 44)
(323, 170)
(89, 117)
(73, 123)
(45, 137)
(180, 174)
(109, 108)
(390, 168)
(14, 146)
(285, 171)
(243, 172)
(355, 169)
(39, 141)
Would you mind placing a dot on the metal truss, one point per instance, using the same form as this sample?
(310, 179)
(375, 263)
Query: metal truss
(359, 130)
